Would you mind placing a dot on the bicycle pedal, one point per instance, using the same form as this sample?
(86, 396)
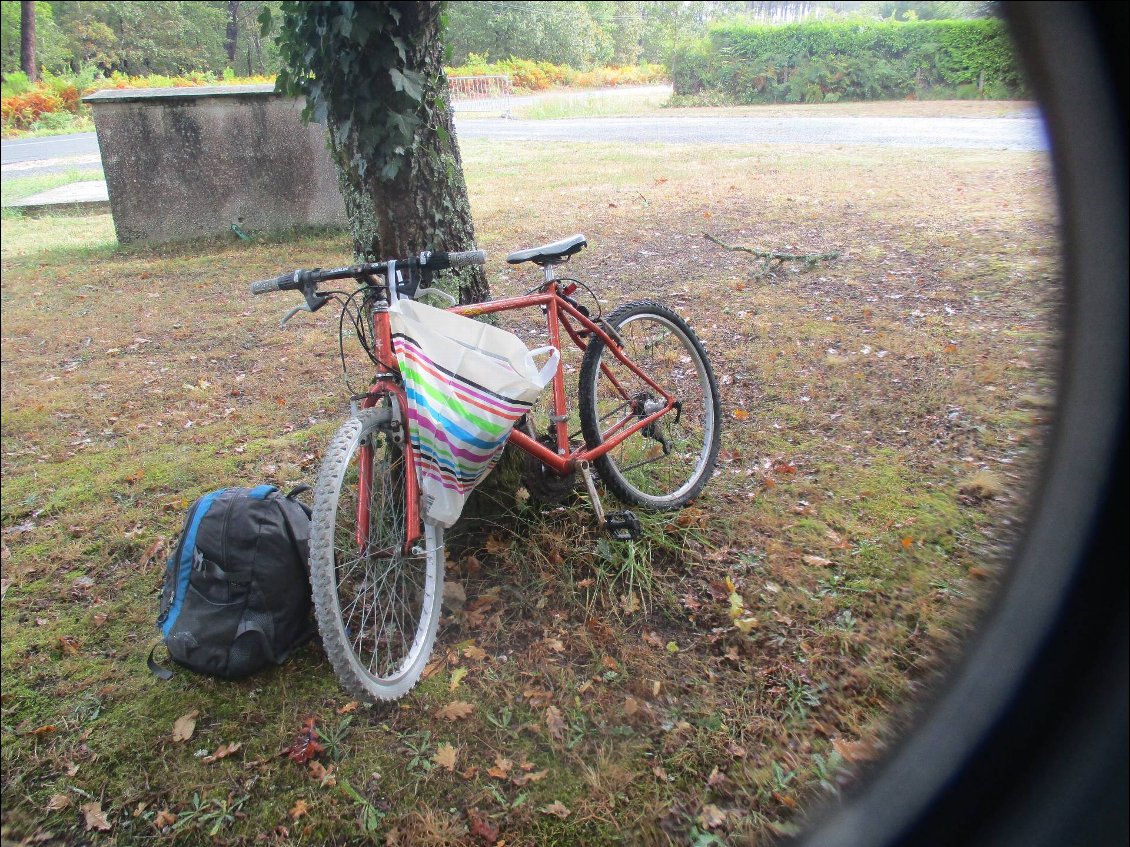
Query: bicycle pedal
(623, 526)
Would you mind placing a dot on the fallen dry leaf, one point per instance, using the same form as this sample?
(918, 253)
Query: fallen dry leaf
(631, 706)
(501, 768)
(537, 697)
(711, 817)
(164, 818)
(853, 751)
(817, 561)
(555, 644)
(526, 778)
(324, 775)
(151, 553)
(456, 678)
(185, 725)
(476, 654)
(222, 752)
(57, 802)
(349, 708)
(481, 828)
(300, 808)
(456, 710)
(69, 645)
(785, 799)
(557, 809)
(93, 816)
(445, 756)
(715, 779)
(555, 722)
(305, 746)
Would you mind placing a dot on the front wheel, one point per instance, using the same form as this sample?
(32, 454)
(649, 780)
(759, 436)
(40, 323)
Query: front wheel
(377, 606)
(665, 464)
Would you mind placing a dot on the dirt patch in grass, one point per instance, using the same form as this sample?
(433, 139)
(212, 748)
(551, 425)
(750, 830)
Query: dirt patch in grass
(885, 413)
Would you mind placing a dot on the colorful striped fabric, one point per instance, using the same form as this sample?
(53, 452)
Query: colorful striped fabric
(463, 400)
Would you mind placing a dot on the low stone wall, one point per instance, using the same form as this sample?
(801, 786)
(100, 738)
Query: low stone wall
(187, 162)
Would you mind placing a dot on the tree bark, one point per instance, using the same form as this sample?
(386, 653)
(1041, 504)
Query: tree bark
(27, 39)
(424, 206)
(231, 36)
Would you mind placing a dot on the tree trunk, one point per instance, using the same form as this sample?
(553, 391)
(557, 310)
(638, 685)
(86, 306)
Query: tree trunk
(231, 36)
(27, 39)
(424, 205)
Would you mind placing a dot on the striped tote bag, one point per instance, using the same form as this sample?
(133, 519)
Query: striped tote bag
(467, 384)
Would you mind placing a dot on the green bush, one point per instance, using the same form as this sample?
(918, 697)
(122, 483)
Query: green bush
(826, 62)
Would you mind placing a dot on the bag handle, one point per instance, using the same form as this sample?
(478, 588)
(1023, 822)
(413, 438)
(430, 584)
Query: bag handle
(546, 372)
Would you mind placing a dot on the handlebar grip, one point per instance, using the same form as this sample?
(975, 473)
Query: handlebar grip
(265, 286)
(440, 261)
(469, 257)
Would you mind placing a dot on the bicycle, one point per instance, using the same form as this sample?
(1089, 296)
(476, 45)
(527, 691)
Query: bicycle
(649, 414)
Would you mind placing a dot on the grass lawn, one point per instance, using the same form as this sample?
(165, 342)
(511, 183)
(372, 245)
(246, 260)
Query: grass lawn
(885, 415)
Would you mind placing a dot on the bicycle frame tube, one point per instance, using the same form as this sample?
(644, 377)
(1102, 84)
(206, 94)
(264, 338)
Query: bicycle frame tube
(558, 312)
(383, 351)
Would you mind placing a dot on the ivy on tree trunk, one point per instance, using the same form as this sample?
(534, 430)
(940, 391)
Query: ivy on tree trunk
(374, 73)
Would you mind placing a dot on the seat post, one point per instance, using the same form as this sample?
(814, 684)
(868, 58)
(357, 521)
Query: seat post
(548, 268)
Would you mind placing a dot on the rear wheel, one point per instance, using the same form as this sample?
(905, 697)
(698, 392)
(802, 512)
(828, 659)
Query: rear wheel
(377, 606)
(665, 464)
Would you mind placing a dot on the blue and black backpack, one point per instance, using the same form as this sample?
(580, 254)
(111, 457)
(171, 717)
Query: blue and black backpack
(237, 588)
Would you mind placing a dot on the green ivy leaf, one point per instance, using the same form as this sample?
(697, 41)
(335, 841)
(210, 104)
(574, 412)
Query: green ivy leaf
(410, 82)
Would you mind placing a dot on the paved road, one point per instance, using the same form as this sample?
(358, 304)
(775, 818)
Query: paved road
(1025, 132)
(1018, 133)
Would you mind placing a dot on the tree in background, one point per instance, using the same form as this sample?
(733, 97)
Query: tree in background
(27, 39)
(176, 37)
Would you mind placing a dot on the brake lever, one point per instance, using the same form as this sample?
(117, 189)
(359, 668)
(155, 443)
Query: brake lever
(314, 301)
(305, 307)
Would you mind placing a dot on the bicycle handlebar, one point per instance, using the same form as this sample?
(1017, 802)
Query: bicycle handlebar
(431, 261)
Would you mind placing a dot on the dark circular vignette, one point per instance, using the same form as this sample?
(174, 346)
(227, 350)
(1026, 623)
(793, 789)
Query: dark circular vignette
(1027, 744)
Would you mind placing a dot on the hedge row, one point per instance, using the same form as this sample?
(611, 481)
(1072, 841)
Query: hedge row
(536, 76)
(827, 62)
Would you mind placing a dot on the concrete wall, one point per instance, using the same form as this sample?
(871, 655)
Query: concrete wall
(190, 162)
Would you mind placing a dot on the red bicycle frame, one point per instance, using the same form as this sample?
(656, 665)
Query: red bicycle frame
(560, 313)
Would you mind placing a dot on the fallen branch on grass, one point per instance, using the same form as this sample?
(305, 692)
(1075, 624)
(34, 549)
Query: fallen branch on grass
(769, 256)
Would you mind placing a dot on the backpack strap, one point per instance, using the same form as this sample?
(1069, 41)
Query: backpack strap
(158, 671)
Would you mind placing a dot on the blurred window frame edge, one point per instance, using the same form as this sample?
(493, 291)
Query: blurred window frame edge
(1027, 742)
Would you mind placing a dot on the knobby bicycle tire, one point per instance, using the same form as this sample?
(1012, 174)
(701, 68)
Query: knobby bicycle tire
(351, 594)
(647, 460)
